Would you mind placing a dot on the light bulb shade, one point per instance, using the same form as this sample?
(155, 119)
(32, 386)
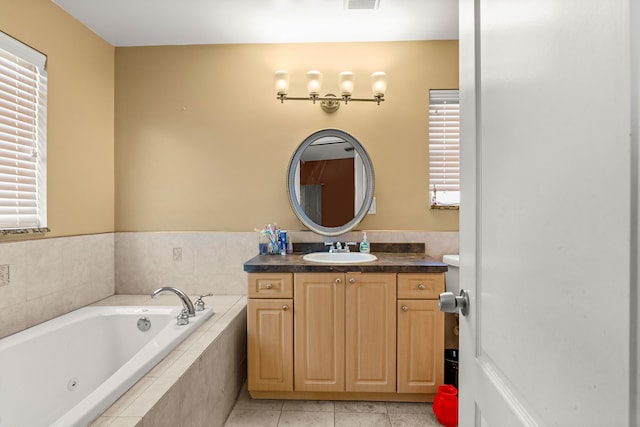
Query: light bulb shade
(282, 81)
(314, 82)
(345, 81)
(379, 83)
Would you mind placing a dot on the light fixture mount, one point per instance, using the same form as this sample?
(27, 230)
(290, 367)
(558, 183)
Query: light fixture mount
(331, 104)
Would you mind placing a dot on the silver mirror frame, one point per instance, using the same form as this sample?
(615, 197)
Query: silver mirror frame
(291, 177)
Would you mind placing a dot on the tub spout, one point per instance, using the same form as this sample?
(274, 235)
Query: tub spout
(186, 302)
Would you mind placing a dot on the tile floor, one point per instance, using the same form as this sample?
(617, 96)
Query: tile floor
(248, 412)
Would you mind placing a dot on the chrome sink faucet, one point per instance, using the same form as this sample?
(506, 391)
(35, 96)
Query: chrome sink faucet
(339, 248)
(188, 309)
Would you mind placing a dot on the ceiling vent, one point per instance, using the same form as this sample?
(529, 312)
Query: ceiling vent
(361, 4)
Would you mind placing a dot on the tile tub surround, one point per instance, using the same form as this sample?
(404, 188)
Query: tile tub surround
(212, 261)
(198, 381)
(51, 277)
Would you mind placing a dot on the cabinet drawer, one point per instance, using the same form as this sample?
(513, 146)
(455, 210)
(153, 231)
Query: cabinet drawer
(270, 285)
(420, 285)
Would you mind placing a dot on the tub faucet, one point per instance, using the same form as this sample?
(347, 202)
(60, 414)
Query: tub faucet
(186, 302)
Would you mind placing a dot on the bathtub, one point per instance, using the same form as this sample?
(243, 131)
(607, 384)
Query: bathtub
(67, 371)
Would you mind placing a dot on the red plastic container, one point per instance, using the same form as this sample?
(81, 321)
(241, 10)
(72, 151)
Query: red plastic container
(445, 405)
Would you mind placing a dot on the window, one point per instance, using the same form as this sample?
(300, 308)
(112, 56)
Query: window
(444, 148)
(23, 133)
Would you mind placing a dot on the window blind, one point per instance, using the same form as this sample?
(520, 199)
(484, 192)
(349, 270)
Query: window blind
(23, 98)
(444, 147)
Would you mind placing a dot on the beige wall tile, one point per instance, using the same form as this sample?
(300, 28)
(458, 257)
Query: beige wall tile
(50, 277)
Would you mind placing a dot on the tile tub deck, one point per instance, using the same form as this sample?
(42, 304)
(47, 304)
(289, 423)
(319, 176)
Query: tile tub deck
(198, 381)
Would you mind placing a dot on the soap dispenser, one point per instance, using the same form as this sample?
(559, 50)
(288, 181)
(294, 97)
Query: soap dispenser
(364, 245)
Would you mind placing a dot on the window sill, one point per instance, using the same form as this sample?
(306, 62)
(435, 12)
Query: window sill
(445, 208)
(24, 231)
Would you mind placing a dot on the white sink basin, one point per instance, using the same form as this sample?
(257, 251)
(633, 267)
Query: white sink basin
(339, 257)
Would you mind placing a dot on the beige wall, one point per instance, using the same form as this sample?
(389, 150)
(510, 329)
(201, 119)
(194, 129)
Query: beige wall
(80, 114)
(201, 143)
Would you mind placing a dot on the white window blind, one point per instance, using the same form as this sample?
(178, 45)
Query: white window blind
(444, 147)
(23, 131)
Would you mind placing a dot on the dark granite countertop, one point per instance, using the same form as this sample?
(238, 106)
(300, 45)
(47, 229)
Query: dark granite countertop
(386, 263)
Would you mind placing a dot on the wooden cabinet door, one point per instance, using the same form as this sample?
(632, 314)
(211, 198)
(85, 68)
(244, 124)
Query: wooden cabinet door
(270, 344)
(370, 332)
(319, 331)
(420, 346)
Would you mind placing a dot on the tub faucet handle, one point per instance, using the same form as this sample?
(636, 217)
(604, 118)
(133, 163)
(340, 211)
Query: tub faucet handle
(183, 317)
(199, 304)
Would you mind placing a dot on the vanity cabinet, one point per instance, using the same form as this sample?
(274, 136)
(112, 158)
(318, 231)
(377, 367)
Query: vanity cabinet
(340, 334)
(270, 332)
(345, 332)
(420, 333)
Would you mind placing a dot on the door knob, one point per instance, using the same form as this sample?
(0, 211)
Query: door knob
(450, 303)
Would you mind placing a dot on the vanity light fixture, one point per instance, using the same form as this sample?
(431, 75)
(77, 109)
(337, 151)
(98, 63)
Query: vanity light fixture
(330, 102)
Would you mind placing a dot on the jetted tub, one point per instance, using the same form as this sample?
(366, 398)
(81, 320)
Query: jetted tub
(67, 371)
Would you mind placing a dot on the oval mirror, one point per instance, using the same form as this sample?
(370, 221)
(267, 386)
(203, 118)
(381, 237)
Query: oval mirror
(330, 182)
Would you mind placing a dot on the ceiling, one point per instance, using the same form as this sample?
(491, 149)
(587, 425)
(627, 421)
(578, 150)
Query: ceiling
(180, 22)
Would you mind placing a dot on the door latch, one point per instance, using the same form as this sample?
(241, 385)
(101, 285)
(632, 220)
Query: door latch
(450, 303)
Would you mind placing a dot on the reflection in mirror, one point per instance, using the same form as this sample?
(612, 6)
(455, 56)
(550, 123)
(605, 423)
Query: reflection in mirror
(330, 182)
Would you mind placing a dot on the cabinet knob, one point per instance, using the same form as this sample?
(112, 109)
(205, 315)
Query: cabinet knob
(405, 308)
(352, 280)
(421, 287)
(285, 307)
(268, 286)
(338, 281)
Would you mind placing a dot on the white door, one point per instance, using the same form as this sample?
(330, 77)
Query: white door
(546, 213)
